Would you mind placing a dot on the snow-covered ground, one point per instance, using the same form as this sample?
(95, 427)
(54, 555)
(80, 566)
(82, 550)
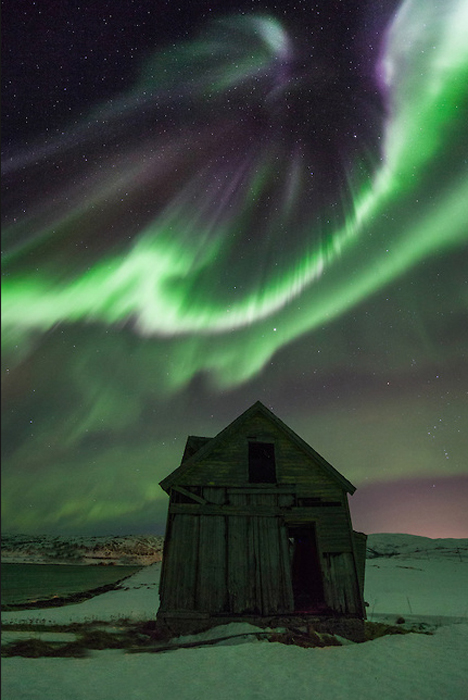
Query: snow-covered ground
(421, 584)
(417, 578)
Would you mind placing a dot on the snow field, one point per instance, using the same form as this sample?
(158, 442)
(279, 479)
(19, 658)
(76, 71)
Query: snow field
(412, 666)
(423, 587)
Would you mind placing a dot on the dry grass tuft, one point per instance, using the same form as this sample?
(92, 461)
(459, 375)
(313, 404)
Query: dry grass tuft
(37, 648)
(307, 640)
(375, 630)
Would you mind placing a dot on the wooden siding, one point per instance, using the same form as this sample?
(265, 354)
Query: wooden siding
(341, 593)
(241, 566)
(332, 521)
(227, 464)
(178, 591)
(211, 588)
(360, 544)
(333, 531)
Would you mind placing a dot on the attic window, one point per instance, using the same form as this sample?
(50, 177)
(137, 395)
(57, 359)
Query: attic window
(262, 466)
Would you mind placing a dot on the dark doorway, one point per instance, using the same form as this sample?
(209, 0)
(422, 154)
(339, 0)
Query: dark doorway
(306, 573)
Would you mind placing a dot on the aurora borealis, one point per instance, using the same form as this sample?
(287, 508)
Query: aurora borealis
(259, 202)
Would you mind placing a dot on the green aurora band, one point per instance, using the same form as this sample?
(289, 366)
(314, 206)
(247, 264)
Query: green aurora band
(162, 284)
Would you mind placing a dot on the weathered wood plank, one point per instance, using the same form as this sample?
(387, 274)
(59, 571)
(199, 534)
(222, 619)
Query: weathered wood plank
(360, 541)
(286, 500)
(255, 555)
(237, 498)
(224, 510)
(212, 579)
(259, 567)
(340, 585)
(241, 567)
(178, 592)
(189, 494)
(253, 509)
(241, 560)
(273, 579)
(287, 599)
(271, 488)
(215, 495)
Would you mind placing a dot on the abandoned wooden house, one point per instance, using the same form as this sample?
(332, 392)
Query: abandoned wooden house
(258, 528)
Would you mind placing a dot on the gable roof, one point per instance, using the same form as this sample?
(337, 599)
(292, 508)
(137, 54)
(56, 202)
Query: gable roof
(197, 448)
(193, 444)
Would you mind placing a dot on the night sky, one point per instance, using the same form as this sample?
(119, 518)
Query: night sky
(209, 204)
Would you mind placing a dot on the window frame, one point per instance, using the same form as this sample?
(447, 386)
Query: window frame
(258, 471)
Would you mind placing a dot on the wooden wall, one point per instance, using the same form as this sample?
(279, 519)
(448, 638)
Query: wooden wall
(242, 566)
(227, 464)
(230, 554)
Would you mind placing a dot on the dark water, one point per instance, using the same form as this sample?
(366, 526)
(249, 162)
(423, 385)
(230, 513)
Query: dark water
(23, 583)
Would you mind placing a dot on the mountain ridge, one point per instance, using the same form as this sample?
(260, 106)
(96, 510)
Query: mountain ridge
(147, 549)
(100, 549)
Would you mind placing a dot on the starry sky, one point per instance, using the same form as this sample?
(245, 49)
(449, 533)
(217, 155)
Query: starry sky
(208, 204)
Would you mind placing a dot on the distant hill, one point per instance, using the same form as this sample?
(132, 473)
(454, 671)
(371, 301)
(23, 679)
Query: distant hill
(147, 549)
(416, 547)
(46, 549)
